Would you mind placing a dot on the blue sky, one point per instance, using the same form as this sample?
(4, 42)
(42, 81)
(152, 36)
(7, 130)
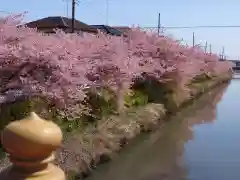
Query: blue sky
(145, 13)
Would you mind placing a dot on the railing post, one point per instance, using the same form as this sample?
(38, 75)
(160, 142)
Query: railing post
(30, 144)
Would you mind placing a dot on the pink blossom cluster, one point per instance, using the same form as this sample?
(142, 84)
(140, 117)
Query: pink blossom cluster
(62, 66)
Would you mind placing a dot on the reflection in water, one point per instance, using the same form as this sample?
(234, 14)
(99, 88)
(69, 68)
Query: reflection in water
(160, 155)
(214, 152)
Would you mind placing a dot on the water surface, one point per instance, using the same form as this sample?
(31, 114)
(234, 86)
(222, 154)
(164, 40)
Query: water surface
(200, 143)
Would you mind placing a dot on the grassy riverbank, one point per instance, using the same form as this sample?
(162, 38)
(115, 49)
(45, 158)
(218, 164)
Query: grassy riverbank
(87, 145)
(83, 151)
(160, 154)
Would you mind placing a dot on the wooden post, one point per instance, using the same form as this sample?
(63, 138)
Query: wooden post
(30, 144)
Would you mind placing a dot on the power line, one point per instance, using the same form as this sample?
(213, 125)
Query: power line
(6, 12)
(195, 27)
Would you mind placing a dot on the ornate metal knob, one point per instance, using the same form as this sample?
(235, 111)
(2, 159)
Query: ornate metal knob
(30, 144)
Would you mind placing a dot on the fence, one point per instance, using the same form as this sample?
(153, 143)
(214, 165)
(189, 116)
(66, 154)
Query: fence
(31, 143)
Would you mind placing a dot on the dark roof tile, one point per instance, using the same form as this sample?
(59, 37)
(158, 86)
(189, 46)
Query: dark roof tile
(59, 22)
(108, 30)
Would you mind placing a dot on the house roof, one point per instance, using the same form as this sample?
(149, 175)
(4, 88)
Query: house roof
(123, 29)
(60, 22)
(108, 29)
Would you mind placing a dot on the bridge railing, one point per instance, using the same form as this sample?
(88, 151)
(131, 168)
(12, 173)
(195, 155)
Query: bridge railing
(30, 144)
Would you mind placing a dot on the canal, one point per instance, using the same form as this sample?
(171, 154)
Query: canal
(199, 143)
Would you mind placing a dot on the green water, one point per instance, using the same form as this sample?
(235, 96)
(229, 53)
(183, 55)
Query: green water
(200, 143)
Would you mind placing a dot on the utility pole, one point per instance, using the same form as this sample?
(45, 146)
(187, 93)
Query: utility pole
(193, 39)
(210, 48)
(107, 11)
(220, 55)
(223, 52)
(67, 7)
(206, 46)
(66, 1)
(73, 15)
(159, 23)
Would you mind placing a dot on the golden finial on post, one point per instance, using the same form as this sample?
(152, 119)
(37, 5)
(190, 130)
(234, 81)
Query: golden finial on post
(30, 144)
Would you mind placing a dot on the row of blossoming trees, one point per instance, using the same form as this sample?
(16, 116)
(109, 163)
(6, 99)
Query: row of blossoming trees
(77, 75)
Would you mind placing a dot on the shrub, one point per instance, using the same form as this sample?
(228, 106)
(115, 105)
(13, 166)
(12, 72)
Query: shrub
(135, 98)
(101, 102)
